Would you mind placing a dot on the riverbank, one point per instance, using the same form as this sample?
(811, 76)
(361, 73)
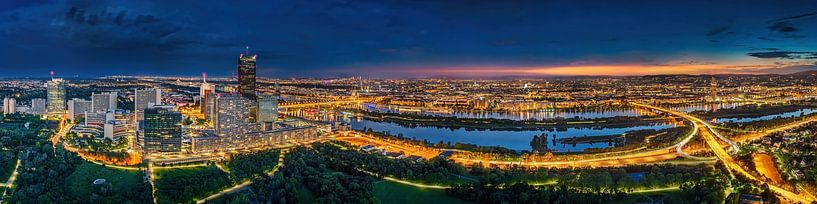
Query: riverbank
(419, 120)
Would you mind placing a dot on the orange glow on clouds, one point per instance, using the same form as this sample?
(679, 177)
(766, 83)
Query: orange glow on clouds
(584, 70)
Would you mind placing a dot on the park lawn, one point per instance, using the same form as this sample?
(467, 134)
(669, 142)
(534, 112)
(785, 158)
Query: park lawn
(391, 192)
(670, 197)
(184, 185)
(125, 185)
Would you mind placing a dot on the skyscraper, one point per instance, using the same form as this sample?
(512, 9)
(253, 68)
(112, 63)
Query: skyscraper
(78, 107)
(162, 130)
(267, 110)
(56, 96)
(103, 102)
(38, 106)
(205, 92)
(232, 115)
(143, 99)
(210, 107)
(246, 75)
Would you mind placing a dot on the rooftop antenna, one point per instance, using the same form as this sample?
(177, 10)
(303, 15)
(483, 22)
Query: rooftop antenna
(204, 77)
(52, 74)
(248, 49)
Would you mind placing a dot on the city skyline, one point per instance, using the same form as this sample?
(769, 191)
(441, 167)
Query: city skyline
(402, 102)
(408, 39)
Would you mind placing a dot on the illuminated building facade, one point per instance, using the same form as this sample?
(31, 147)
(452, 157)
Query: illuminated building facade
(267, 110)
(205, 92)
(103, 102)
(143, 99)
(77, 108)
(162, 130)
(246, 75)
(282, 134)
(56, 96)
(210, 107)
(37, 106)
(232, 117)
(9, 105)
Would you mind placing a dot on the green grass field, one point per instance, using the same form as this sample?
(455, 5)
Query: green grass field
(120, 185)
(391, 192)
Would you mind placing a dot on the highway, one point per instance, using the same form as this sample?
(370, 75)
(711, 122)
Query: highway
(709, 135)
(697, 122)
(761, 134)
(651, 156)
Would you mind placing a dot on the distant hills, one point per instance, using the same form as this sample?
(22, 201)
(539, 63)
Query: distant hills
(805, 73)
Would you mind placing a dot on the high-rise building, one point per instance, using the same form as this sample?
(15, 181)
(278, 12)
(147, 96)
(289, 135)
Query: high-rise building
(267, 110)
(77, 108)
(246, 75)
(9, 105)
(103, 102)
(38, 106)
(210, 109)
(232, 115)
(162, 130)
(56, 96)
(205, 92)
(143, 99)
(118, 125)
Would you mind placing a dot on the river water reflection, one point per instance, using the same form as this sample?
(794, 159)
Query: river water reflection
(516, 140)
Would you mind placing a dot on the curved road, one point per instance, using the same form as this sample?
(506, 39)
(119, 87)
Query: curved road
(696, 122)
(709, 136)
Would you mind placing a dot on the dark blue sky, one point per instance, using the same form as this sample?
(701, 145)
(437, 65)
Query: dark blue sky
(406, 38)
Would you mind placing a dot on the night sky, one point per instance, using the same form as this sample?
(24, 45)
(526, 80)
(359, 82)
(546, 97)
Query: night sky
(339, 38)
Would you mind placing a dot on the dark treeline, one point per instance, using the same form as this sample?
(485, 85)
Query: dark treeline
(608, 179)
(525, 193)
(699, 184)
(182, 185)
(642, 138)
(249, 165)
(435, 171)
(335, 172)
(330, 180)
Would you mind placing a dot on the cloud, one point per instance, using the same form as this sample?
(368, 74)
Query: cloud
(764, 48)
(795, 17)
(718, 30)
(784, 55)
(793, 36)
(783, 27)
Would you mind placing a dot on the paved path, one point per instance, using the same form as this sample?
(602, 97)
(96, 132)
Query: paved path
(13, 176)
(247, 183)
